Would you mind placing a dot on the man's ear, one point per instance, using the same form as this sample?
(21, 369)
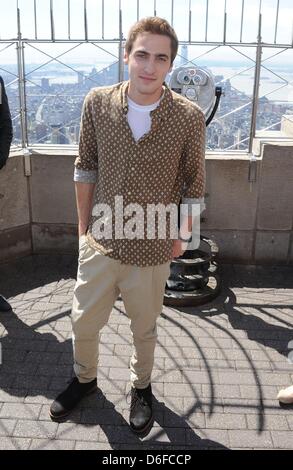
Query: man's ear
(125, 58)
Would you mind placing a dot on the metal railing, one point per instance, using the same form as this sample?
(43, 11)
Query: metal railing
(102, 42)
(167, 7)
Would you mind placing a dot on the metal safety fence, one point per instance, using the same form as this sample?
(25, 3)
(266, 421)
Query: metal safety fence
(57, 50)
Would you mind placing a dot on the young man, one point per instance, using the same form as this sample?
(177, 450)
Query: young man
(142, 145)
(5, 142)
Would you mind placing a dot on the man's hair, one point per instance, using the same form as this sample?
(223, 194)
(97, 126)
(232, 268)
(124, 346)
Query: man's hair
(154, 25)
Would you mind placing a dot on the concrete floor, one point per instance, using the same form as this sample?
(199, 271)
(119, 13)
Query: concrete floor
(217, 372)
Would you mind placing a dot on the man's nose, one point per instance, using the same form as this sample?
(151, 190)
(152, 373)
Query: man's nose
(149, 67)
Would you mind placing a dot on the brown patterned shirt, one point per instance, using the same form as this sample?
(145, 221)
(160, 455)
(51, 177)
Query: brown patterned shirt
(163, 166)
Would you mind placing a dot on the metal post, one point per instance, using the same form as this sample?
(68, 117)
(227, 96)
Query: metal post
(277, 19)
(23, 120)
(225, 22)
(207, 20)
(24, 96)
(21, 84)
(241, 27)
(68, 18)
(256, 85)
(35, 19)
(103, 19)
(52, 21)
(121, 49)
(189, 24)
(85, 21)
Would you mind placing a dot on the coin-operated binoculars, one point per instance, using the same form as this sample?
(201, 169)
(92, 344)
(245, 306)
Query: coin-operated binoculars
(198, 86)
(194, 277)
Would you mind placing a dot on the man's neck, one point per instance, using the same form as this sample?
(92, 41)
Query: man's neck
(144, 99)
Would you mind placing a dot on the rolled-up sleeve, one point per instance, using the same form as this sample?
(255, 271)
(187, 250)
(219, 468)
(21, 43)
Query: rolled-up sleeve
(87, 159)
(85, 176)
(194, 170)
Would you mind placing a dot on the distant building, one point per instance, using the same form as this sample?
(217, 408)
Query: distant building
(237, 139)
(56, 115)
(45, 85)
(76, 133)
(218, 78)
(41, 132)
(108, 75)
(228, 86)
(93, 73)
(59, 134)
(183, 54)
(80, 78)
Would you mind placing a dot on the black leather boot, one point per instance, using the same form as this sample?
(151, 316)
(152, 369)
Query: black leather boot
(4, 305)
(141, 410)
(67, 400)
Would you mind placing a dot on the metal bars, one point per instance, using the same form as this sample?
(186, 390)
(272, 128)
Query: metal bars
(257, 63)
(208, 20)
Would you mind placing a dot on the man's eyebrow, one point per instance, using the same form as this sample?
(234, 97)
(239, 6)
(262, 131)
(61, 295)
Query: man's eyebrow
(160, 54)
(163, 55)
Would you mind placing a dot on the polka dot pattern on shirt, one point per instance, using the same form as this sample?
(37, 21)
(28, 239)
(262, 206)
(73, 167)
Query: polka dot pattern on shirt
(163, 166)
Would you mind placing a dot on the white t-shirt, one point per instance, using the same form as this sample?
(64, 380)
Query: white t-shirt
(139, 118)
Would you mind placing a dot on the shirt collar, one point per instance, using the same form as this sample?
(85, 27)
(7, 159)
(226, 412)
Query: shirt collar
(161, 112)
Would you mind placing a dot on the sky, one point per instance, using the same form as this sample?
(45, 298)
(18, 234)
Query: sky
(8, 23)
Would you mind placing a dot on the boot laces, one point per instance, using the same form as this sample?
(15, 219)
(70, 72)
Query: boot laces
(136, 396)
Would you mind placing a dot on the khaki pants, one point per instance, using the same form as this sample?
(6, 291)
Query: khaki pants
(100, 280)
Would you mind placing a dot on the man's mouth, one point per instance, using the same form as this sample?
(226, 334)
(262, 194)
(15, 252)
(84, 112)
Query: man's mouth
(148, 78)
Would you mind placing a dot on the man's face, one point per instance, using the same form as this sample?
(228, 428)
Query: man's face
(149, 62)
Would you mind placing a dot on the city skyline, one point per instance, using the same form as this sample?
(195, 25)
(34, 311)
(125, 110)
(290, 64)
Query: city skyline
(53, 112)
(57, 79)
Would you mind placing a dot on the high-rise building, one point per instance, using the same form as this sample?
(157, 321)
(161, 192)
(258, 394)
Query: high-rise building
(45, 85)
(59, 134)
(80, 77)
(183, 54)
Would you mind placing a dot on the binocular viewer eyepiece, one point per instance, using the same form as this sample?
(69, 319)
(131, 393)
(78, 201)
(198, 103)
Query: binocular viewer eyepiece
(191, 76)
(197, 85)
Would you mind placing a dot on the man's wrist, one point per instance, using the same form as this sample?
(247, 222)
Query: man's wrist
(82, 229)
